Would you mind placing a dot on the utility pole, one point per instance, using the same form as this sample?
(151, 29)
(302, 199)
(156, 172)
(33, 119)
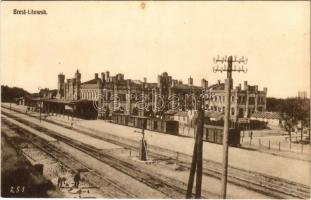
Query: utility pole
(197, 159)
(40, 110)
(39, 88)
(192, 171)
(228, 84)
(301, 131)
(200, 129)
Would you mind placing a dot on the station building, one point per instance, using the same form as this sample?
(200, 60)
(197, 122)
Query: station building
(244, 101)
(110, 94)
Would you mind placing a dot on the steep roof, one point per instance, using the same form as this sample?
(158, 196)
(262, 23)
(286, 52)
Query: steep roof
(92, 81)
(220, 86)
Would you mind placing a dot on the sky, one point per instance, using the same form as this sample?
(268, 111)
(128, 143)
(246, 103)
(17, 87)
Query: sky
(146, 39)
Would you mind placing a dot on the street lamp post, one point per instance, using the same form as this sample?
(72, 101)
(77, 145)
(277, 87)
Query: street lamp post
(143, 142)
(143, 149)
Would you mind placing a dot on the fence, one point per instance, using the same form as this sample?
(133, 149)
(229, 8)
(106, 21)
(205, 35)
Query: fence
(280, 143)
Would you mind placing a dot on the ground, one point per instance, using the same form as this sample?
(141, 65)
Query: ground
(287, 168)
(19, 178)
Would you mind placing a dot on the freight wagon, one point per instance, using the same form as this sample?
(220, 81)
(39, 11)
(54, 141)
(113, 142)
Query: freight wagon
(211, 133)
(214, 134)
(152, 124)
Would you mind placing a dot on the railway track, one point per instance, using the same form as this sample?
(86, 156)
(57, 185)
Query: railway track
(172, 188)
(265, 184)
(112, 189)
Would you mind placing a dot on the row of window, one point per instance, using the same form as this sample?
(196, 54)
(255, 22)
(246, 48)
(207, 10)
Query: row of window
(241, 99)
(89, 95)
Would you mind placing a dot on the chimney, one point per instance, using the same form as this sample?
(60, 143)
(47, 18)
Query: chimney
(174, 83)
(128, 83)
(204, 83)
(108, 76)
(180, 82)
(96, 75)
(98, 81)
(245, 85)
(256, 88)
(159, 80)
(119, 77)
(145, 80)
(103, 76)
(238, 87)
(265, 90)
(218, 82)
(190, 81)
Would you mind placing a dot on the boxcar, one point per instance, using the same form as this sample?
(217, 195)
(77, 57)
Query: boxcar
(172, 127)
(214, 134)
(138, 121)
(153, 124)
(120, 119)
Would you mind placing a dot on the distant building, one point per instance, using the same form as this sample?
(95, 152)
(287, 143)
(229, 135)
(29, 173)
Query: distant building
(302, 94)
(244, 101)
(271, 118)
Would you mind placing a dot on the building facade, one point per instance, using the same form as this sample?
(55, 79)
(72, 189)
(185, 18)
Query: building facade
(135, 97)
(244, 101)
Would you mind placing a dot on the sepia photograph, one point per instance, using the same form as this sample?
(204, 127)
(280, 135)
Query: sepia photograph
(155, 99)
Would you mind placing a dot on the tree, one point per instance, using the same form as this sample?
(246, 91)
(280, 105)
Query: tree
(288, 127)
(8, 94)
(293, 108)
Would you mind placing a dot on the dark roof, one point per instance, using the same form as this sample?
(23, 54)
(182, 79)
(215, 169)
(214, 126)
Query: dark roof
(64, 101)
(182, 114)
(220, 86)
(176, 113)
(92, 81)
(170, 112)
(266, 115)
(186, 87)
(152, 85)
(216, 115)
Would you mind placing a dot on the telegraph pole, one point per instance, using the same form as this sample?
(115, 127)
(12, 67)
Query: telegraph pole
(39, 88)
(197, 158)
(200, 129)
(40, 110)
(192, 171)
(228, 84)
